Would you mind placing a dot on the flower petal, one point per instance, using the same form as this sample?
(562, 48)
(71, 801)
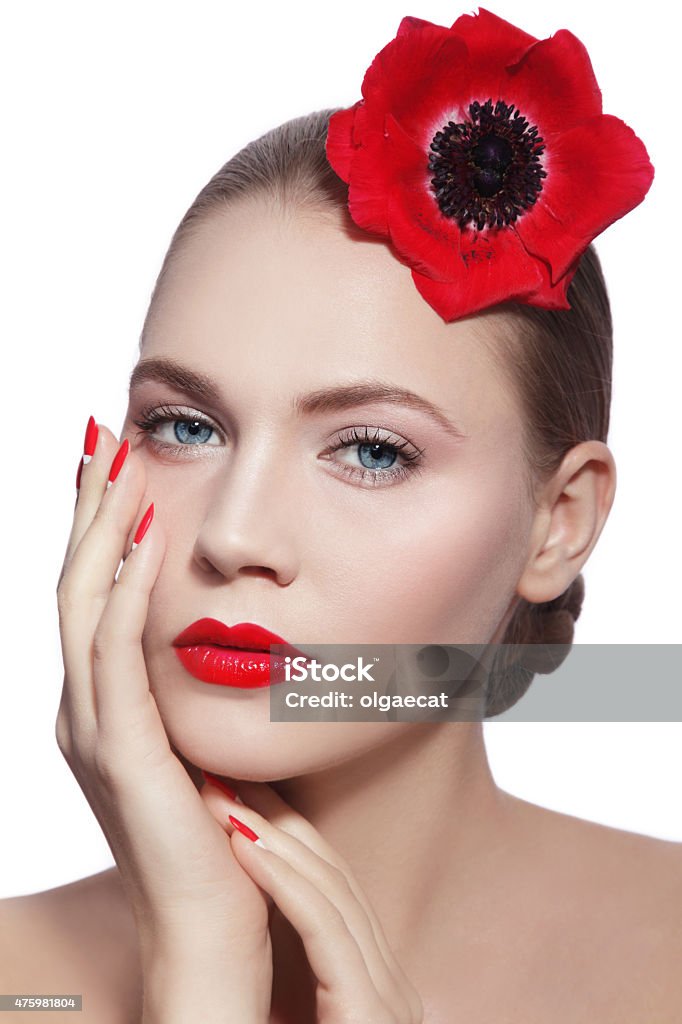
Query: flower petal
(553, 85)
(411, 24)
(340, 146)
(416, 73)
(599, 171)
(429, 75)
(491, 41)
(491, 45)
(489, 267)
(426, 239)
(369, 184)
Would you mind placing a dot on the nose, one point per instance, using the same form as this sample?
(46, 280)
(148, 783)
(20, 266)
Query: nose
(248, 528)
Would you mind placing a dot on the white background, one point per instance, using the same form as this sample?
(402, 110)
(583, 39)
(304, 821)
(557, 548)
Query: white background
(113, 117)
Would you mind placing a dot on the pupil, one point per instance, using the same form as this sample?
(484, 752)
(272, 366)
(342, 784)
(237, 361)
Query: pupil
(375, 454)
(191, 430)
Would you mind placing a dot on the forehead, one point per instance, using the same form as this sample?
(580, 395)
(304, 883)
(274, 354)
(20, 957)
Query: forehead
(303, 299)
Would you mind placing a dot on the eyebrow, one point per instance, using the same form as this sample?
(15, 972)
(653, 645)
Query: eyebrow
(329, 399)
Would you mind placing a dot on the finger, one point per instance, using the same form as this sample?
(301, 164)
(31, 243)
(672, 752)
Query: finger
(102, 445)
(121, 682)
(262, 798)
(335, 957)
(334, 885)
(217, 809)
(89, 577)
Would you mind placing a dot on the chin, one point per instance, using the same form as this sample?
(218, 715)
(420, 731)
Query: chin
(244, 746)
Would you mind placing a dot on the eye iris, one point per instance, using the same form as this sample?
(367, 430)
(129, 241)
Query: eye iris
(375, 450)
(191, 431)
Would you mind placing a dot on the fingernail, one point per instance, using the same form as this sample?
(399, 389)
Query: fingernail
(221, 785)
(91, 432)
(245, 830)
(143, 527)
(119, 459)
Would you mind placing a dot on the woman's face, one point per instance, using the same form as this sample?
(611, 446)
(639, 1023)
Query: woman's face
(286, 313)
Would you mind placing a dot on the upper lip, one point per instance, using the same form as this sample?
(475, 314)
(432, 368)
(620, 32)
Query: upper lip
(246, 635)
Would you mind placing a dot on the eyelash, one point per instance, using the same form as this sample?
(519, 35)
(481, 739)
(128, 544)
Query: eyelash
(152, 417)
(411, 459)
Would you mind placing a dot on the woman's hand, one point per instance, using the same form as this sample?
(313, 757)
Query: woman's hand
(202, 922)
(358, 977)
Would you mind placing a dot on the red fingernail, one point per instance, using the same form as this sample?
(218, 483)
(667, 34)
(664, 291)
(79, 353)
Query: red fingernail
(220, 784)
(143, 527)
(78, 475)
(245, 830)
(119, 459)
(91, 433)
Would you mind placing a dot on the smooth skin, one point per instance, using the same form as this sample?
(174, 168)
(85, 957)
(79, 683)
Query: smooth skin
(398, 882)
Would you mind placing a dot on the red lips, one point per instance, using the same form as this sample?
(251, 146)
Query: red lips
(233, 655)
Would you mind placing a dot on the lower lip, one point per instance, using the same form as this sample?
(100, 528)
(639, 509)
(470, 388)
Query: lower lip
(230, 666)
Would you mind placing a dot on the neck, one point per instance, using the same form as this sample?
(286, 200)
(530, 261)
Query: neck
(414, 817)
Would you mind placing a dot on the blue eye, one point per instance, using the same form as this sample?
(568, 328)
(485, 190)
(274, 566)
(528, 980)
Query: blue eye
(378, 457)
(188, 429)
(192, 431)
(381, 461)
(375, 453)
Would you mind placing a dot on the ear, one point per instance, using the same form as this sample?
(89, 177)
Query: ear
(573, 507)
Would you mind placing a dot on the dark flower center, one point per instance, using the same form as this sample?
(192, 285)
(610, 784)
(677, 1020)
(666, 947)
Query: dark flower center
(488, 169)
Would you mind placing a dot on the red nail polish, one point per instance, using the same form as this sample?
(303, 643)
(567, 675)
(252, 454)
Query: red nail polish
(248, 832)
(143, 527)
(91, 433)
(78, 475)
(119, 459)
(220, 784)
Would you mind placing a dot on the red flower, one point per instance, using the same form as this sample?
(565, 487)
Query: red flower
(483, 154)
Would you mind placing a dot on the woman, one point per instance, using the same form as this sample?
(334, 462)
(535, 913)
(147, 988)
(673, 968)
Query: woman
(258, 862)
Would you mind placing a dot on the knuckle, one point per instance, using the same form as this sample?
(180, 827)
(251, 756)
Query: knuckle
(102, 643)
(62, 732)
(107, 764)
(74, 738)
(59, 580)
(342, 881)
(330, 919)
(66, 596)
(341, 878)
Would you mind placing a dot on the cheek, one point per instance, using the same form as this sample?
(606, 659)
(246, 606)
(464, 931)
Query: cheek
(440, 566)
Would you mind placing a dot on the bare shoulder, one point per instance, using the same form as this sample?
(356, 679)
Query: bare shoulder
(620, 894)
(74, 938)
(640, 869)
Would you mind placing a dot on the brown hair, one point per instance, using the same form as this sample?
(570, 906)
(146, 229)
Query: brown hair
(559, 361)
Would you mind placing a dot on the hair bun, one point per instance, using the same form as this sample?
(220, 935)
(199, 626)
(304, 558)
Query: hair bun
(549, 627)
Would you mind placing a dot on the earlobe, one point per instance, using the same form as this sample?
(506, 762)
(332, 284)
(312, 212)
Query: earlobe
(573, 510)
